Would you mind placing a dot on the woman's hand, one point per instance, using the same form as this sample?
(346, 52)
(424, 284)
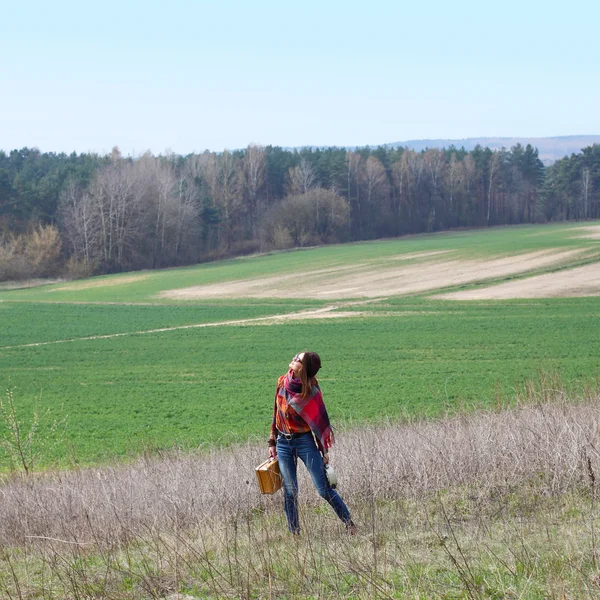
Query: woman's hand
(325, 459)
(273, 451)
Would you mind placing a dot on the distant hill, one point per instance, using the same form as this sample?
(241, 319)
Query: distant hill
(550, 148)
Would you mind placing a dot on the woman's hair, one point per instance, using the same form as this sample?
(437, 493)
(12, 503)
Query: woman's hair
(311, 363)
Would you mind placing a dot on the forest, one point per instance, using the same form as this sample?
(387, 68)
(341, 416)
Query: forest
(83, 214)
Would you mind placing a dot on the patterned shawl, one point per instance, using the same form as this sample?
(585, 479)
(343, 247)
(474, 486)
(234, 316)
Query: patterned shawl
(311, 409)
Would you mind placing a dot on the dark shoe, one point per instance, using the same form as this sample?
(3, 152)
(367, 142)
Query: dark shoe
(351, 528)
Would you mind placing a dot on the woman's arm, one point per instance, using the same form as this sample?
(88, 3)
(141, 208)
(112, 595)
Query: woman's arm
(273, 436)
(322, 450)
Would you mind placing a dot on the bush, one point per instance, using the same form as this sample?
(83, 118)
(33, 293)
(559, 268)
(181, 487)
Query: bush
(317, 217)
(80, 269)
(36, 254)
(12, 261)
(42, 251)
(281, 238)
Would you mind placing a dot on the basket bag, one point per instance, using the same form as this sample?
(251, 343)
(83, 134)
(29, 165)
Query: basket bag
(268, 475)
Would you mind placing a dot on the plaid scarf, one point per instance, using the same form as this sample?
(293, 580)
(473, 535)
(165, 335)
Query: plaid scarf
(311, 409)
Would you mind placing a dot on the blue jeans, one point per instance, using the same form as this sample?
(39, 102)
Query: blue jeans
(305, 448)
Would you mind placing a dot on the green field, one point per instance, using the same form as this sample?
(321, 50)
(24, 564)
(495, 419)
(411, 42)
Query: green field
(191, 386)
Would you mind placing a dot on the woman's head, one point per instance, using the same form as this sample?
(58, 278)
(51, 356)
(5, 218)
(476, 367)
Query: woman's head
(305, 366)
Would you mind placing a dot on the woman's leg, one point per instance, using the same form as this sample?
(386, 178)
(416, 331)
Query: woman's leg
(288, 461)
(310, 455)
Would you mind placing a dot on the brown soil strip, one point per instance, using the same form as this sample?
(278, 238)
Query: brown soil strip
(376, 280)
(591, 232)
(579, 281)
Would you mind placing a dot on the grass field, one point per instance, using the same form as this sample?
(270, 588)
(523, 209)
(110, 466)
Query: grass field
(400, 356)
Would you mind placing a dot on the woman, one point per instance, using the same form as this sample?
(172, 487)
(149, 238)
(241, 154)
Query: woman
(298, 413)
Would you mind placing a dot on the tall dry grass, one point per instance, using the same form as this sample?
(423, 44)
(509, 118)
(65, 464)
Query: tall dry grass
(418, 492)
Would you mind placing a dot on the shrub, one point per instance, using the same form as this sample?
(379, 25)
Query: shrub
(36, 254)
(42, 251)
(282, 238)
(26, 442)
(318, 216)
(80, 269)
(12, 261)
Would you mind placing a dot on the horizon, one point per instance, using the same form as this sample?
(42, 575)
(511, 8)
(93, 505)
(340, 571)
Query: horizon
(412, 144)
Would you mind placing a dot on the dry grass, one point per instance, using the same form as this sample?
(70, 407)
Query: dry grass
(459, 507)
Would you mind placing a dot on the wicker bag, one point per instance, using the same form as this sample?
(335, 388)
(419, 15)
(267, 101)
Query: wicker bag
(268, 475)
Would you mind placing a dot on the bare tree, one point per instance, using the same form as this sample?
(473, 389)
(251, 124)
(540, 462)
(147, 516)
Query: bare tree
(414, 165)
(79, 221)
(398, 188)
(435, 163)
(375, 184)
(118, 197)
(455, 177)
(333, 217)
(187, 212)
(403, 175)
(254, 169)
(493, 168)
(301, 178)
(206, 167)
(586, 189)
(355, 164)
(374, 177)
(228, 194)
(107, 223)
(470, 169)
(158, 179)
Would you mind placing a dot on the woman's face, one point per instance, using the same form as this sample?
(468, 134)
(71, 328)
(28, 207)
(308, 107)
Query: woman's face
(296, 362)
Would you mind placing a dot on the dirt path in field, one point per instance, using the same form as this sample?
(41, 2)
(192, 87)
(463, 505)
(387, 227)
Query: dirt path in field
(327, 312)
(384, 278)
(579, 281)
(591, 231)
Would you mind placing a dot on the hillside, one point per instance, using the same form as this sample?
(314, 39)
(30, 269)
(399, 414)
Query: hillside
(460, 371)
(143, 360)
(550, 149)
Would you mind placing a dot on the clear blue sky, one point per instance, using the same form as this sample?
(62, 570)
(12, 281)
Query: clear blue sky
(190, 75)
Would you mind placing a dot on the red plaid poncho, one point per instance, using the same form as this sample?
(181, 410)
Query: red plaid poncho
(293, 414)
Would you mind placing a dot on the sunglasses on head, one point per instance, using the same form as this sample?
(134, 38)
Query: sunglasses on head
(297, 358)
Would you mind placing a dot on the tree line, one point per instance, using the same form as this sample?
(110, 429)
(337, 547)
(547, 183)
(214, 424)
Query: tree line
(85, 213)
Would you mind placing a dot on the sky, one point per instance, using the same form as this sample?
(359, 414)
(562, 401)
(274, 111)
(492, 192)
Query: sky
(190, 75)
